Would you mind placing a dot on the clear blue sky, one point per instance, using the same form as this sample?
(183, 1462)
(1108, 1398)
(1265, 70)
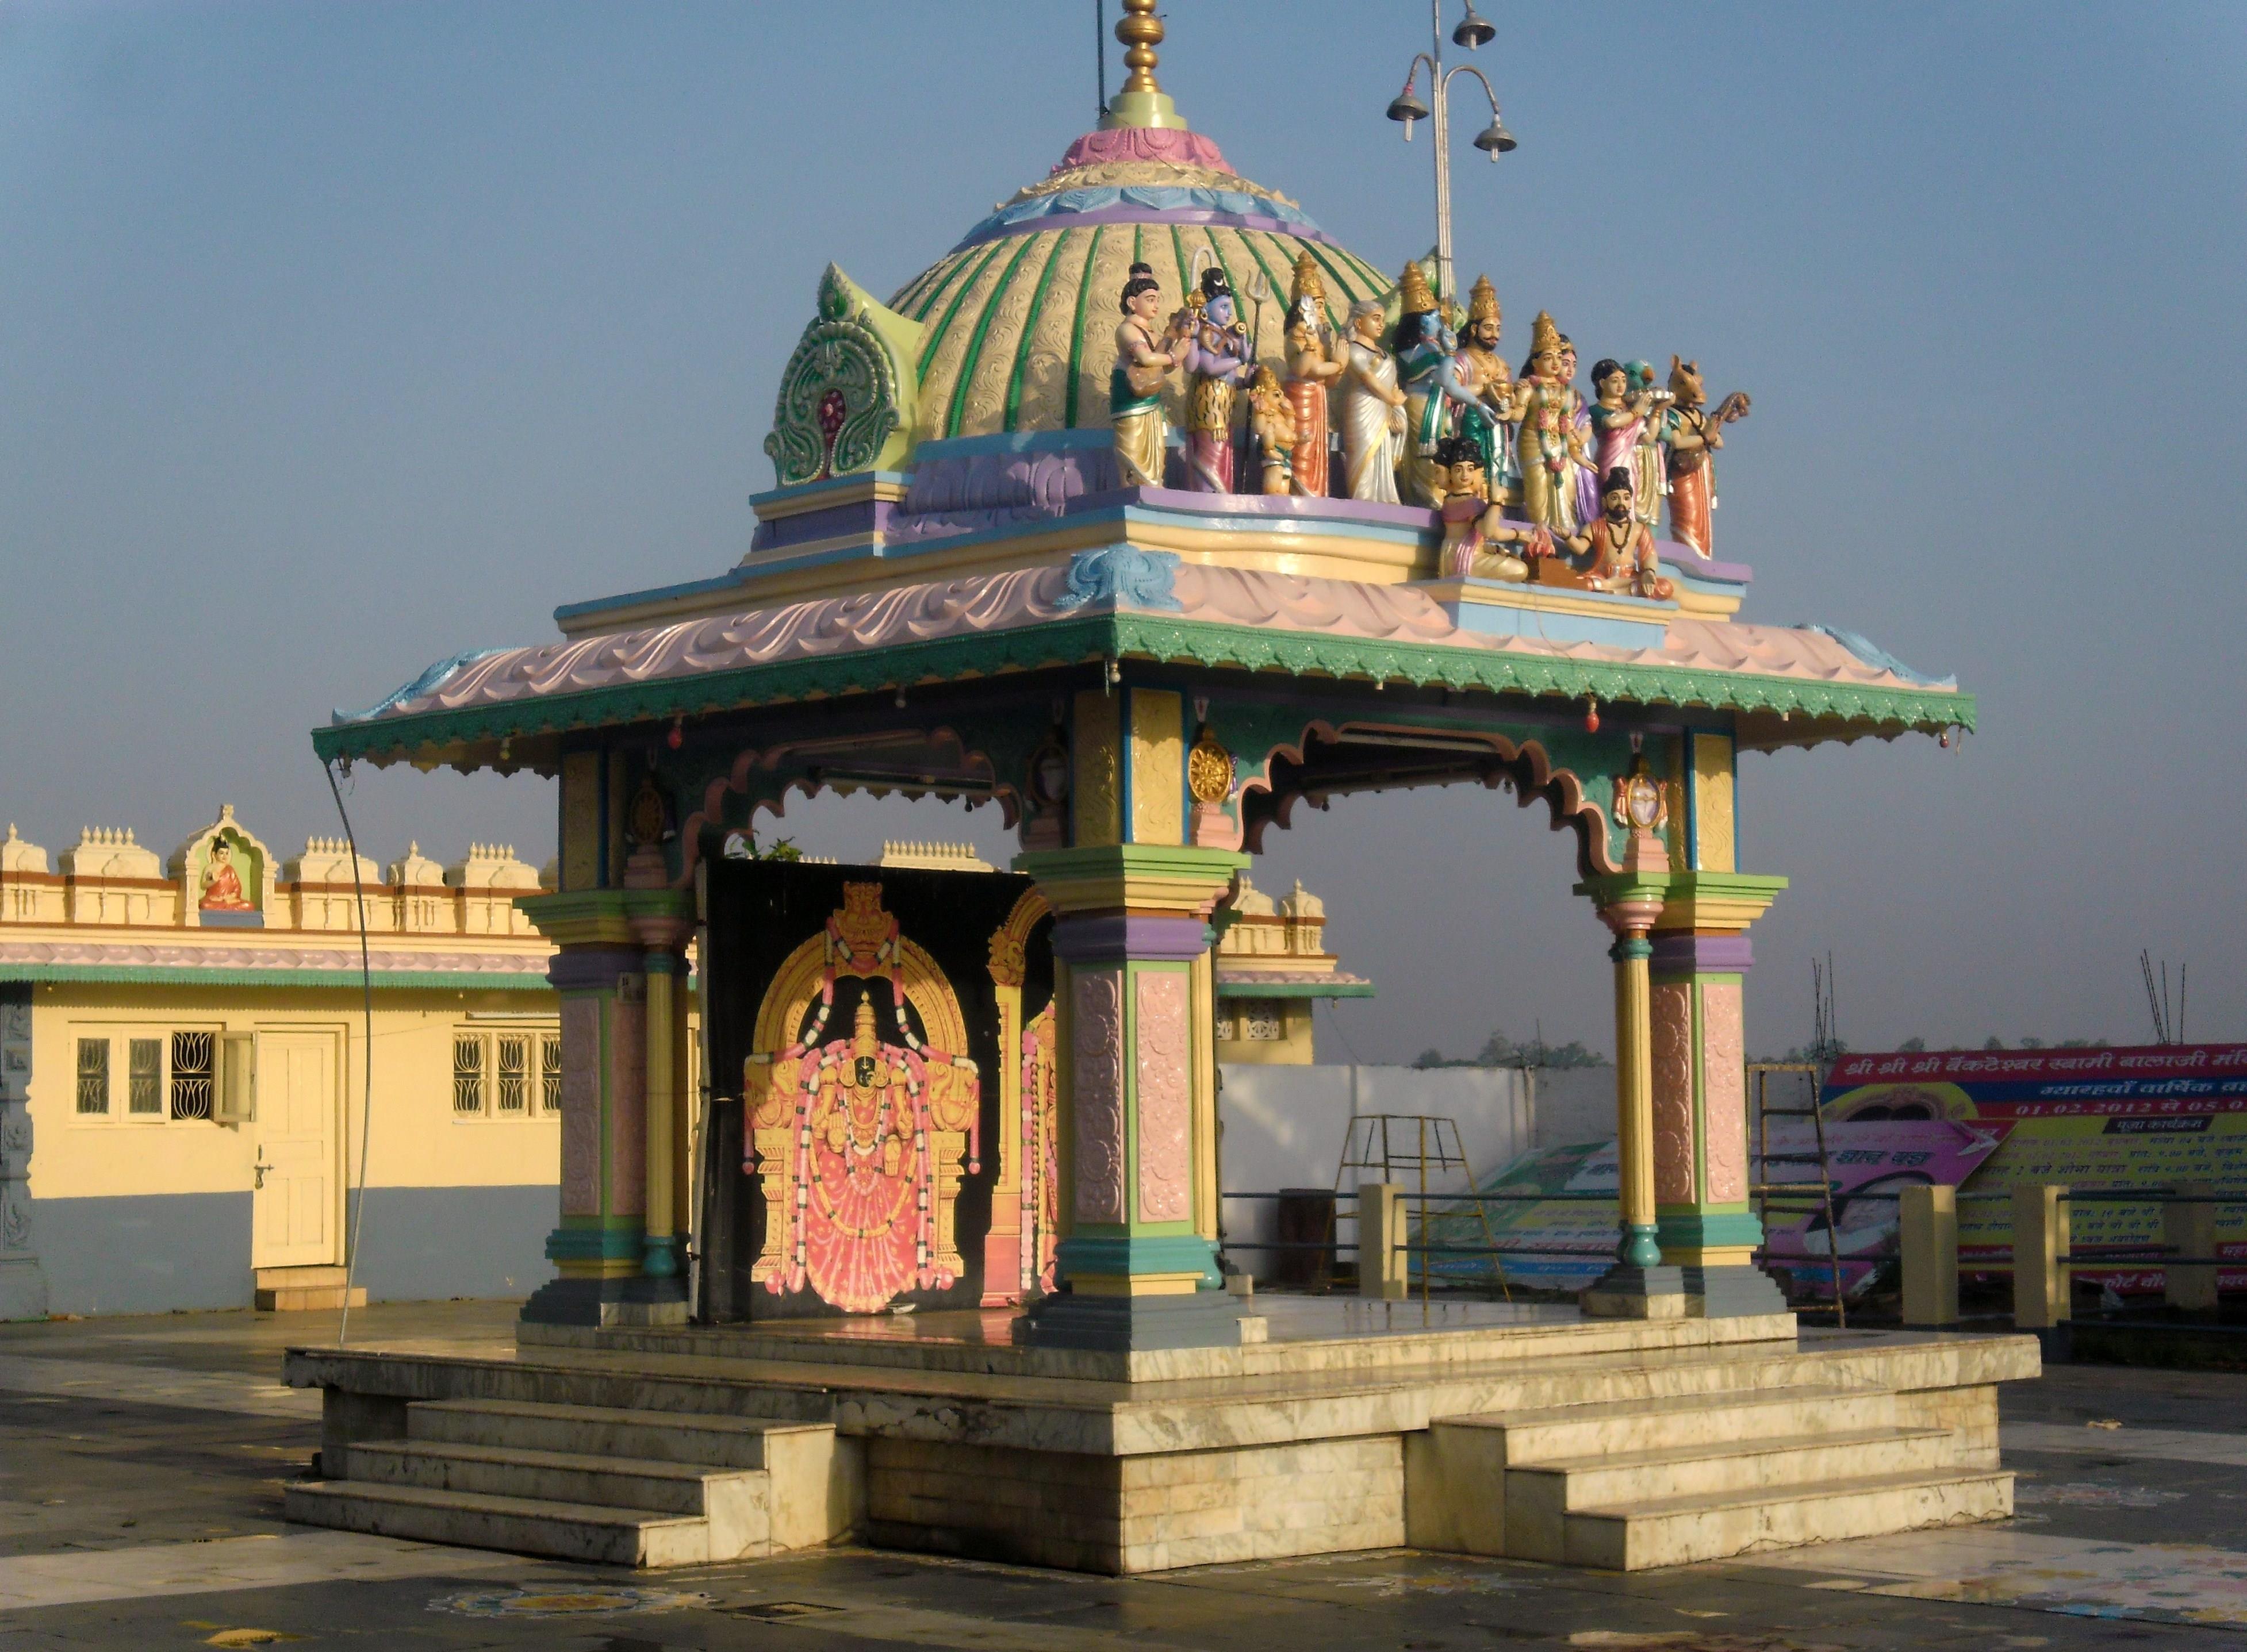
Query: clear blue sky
(335, 337)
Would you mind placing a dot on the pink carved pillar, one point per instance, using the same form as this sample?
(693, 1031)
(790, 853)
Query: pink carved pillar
(1135, 1270)
(1704, 1222)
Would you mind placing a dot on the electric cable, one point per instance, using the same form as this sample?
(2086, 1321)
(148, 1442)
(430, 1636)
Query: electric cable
(358, 1224)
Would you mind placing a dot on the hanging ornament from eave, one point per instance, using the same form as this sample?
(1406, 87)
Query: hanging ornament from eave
(1591, 717)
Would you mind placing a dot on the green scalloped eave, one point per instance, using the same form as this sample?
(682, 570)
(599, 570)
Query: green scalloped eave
(320, 979)
(1295, 989)
(1133, 635)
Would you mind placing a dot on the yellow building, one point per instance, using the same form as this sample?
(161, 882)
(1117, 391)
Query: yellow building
(184, 1066)
(1272, 967)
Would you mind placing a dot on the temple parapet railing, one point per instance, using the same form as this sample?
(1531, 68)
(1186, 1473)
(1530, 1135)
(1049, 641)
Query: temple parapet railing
(225, 878)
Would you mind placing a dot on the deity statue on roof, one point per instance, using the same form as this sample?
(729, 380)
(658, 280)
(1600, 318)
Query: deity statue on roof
(222, 886)
(1476, 531)
(1316, 358)
(1371, 405)
(1694, 432)
(1144, 361)
(1614, 551)
(1438, 402)
(1272, 433)
(1218, 359)
(1554, 469)
(1627, 415)
(1484, 371)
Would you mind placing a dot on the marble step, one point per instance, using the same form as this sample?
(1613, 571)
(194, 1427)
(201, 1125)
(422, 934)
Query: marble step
(1714, 1525)
(1607, 1427)
(732, 1500)
(1538, 1496)
(699, 1438)
(516, 1524)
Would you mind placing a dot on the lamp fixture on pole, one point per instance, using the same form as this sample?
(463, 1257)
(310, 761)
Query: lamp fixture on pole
(1474, 30)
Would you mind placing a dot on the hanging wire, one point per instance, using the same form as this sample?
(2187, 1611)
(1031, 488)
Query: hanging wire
(366, 1088)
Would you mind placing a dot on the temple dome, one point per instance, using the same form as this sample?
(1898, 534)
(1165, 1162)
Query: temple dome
(1019, 317)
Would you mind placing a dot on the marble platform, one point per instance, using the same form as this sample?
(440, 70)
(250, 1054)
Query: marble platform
(1352, 1424)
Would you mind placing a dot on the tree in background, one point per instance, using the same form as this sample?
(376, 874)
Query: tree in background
(1498, 1050)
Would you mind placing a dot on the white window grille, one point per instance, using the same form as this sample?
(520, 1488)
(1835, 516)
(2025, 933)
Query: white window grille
(144, 1079)
(549, 1073)
(468, 1074)
(93, 1075)
(1263, 1021)
(194, 1066)
(514, 1073)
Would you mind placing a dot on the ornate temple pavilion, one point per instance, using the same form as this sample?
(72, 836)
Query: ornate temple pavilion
(968, 582)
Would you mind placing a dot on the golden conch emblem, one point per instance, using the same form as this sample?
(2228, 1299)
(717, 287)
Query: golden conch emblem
(1209, 771)
(1642, 803)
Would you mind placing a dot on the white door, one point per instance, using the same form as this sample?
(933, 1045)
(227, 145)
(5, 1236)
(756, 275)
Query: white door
(294, 1215)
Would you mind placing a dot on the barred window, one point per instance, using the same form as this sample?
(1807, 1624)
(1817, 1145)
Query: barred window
(468, 1073)
(514, 1073)
(193, 1063)
(144, 1081)
(549, 1073)
(93, 1075)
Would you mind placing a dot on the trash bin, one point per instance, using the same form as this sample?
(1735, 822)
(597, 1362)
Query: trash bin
(1307, 1217)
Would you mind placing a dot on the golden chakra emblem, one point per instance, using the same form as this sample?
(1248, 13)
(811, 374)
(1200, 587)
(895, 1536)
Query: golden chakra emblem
(1209, 771)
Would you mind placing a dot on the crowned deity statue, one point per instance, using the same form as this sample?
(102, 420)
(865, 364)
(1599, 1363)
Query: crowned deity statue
(1272, 432)
(1438, 402)
(1628, 417)
(1554, 469)
(1218, 359)
(1693, 432)
(1616, 550)
(1145, 360)
(1371, 410)
(1316, 358)
(1484, 371)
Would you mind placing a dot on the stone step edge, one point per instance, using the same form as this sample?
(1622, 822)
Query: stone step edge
(1674, 1455)
(491, 1503)
(572, 1462)
(1662, 1405)
(545, 1410)
(1671, 1508)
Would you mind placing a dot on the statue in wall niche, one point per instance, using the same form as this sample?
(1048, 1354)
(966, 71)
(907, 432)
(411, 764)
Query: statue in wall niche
(1371, 405)
(1475, 530)
(1272, 432)
(1315, 359)
(1551, 444)
(1694, 431)
(1484, 372)
(1438, 401)
(222, 887)
(1616, 550)
(1219, 359)
(1144, 361)
(1627, 417)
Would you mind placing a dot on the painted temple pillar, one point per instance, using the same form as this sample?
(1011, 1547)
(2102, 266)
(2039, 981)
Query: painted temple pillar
(663, 935)
(602, 1246)
(1640, 1285)
(1701, 957)
(1132, 898)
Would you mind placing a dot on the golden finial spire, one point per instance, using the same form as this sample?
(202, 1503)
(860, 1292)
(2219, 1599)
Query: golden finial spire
(1142, 102)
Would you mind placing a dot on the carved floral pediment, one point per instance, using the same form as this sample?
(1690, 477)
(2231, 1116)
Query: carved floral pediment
(849, 391)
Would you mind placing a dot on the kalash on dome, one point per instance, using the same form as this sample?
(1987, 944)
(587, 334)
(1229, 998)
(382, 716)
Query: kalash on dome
(1147, 513)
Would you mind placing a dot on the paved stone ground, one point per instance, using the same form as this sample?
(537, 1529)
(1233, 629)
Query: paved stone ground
(141, 1462)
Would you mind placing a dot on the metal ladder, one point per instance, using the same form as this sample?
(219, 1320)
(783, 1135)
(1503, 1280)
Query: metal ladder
(1433, 1144)
(1801, 1190)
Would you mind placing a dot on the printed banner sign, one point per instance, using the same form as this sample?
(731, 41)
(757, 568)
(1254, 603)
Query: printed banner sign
(2110, 1118)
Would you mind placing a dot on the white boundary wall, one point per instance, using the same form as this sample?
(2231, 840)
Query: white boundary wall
(1284, 1127)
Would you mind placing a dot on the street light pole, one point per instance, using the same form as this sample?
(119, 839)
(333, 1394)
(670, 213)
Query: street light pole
(1493, 140)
